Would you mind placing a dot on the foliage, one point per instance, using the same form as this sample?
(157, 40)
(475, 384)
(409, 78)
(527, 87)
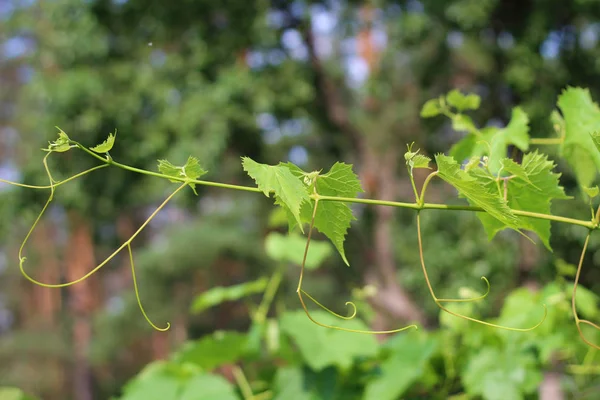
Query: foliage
(516, 195)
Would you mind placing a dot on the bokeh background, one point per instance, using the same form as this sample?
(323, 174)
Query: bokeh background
(311, 82)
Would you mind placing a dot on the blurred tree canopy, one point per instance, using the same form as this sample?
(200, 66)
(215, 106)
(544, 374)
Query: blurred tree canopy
(311, 82)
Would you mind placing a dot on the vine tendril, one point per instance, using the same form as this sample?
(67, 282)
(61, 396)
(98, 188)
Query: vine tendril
(137, 293)
(103, 263)
(579, 321)
(300, 292)
(439, 301)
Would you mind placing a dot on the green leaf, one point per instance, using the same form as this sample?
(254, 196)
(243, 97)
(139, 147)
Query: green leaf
(500, 374)
(321, 347)
(12, 393)
(162, 380)
(473, 144)
(191, 170)
(463, 102)
(289, 189)
(333, 218)
(431, 108)
(61, 144)
(159, 380)
(290, 385)
(532, 188)
(416, 160)
(420, 161)
(475, 190)
(410, 355)
(463, 123)
(290, 248)
(515, 133)
(213, 350)
(165, 167)
(208, 387)
(582, 118)
(220, 294)
(107, 145)
(591, 191)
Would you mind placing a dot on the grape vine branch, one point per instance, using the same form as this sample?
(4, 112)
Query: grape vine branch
(504, 193)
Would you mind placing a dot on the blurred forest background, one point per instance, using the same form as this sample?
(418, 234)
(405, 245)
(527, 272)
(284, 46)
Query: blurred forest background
(311, 82)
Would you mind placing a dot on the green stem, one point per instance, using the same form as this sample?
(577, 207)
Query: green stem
(433, 206)
(87, 171)
(242, 382)
(414, 206)
(159, 175)
(424, 188)
(265, 304)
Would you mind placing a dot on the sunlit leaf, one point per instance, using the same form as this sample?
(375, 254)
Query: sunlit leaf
(475, 190)
(333, 218)
(463, 102)
(431, 108)
(107, 145)
(289, 189)
(582, 118)
(191, 170)
(61, 144)
(532, 188)
(516, 133)
(503, 374)
(12, 393)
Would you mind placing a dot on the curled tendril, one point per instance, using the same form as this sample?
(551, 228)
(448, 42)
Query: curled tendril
(348, 303)
(53, 184)
(483, 296)
(103, 263)
(439, 301)
(137, 293)
(300, 292)
(579, 321)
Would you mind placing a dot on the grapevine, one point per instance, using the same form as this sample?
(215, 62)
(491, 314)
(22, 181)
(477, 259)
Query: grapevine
(504, 193)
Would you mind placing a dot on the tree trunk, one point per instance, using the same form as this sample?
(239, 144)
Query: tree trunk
(79, 261)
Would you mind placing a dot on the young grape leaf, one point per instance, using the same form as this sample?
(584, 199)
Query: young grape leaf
(463, 102)
(61, 144)
(416, 160)
(288, 188)
(532, 188)
(431, 108)
(320, 348)
(463, 123)
(191, 170)
(582, 117)
(475, 190)
(515, 133)
(591, 191)
(107, 145)
(333, 218)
